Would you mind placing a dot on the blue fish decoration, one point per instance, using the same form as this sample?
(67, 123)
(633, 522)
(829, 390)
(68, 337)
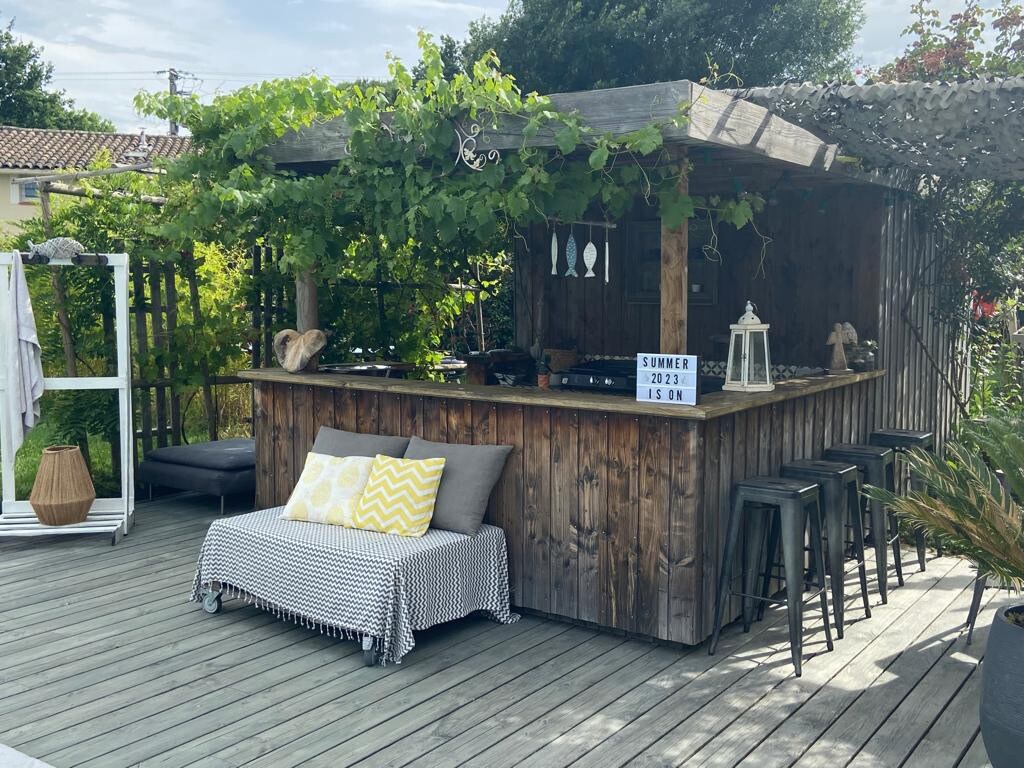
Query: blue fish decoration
(570, 256)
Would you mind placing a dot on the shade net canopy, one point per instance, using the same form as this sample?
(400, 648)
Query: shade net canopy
(972, 129)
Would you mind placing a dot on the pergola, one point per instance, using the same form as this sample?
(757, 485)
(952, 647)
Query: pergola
(729, 141)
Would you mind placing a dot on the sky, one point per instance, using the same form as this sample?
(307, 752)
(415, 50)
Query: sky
(105, 51)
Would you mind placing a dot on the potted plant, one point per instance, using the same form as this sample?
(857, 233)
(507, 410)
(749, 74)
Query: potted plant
(544, 372)
(971, 500)
(861, 355)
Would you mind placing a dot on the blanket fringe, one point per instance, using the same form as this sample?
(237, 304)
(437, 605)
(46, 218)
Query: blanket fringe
(231, 592)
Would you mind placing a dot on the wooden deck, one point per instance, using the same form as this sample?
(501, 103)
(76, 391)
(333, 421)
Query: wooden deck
(103, 662)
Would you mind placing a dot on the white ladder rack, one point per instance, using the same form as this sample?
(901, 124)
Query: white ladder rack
(112, 516)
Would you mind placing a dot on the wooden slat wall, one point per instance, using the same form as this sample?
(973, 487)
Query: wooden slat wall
(584, 499)
(610, 518)
(913, 394)
(821, 267)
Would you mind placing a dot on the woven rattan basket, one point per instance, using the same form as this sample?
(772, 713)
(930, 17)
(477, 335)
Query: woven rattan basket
(63, 492)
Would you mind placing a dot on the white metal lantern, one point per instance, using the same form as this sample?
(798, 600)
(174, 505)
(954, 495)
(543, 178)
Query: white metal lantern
(749, 367)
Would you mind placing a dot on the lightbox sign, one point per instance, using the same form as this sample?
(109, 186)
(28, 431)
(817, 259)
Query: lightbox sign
(669, 379)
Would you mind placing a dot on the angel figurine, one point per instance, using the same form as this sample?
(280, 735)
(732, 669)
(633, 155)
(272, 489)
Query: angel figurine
(842, 333)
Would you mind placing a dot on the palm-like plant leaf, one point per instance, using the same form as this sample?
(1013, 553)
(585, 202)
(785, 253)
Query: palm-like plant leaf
(965, 503)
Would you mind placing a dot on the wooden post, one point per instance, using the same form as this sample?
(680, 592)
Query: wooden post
(307, 310)
(674, 283)
(60, 300)
(188, 263)
(171, 301)
(142, 351)
(156, 306)
(257, 307)
(307, 314)
(268, 308)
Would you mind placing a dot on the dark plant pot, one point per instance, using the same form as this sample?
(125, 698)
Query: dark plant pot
(1002, 691)
(862, 365)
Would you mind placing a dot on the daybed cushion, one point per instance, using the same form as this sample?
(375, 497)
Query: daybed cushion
(357, 583)
(218, 482)
(470, 473)
(239, 453)
(329, 489)
(338, 442)
(399, 496)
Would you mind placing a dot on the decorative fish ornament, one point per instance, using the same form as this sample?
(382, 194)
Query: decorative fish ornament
(554, 252)
(606, 257)
(590, 256)
(56, 248)
(570, 256)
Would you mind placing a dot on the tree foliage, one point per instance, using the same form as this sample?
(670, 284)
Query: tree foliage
(980, 222)
(401, 203)
(114, 220)
(568, 45)
(25, 97)
(957, 49)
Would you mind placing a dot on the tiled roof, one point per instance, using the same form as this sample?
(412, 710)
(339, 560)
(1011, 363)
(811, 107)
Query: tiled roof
(45, 149)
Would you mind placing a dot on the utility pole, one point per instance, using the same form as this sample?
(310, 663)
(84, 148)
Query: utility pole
(172, 88)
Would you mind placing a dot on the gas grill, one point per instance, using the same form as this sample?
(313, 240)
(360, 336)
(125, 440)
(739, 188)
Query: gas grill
(614, 375)
(600, 375)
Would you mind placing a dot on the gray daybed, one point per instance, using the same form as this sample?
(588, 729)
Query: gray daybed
(220, 468)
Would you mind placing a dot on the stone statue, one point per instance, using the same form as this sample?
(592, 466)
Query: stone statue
(294, 350)
(836, 339)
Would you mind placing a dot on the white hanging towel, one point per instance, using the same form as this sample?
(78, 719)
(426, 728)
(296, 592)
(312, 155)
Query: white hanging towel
(24, 385)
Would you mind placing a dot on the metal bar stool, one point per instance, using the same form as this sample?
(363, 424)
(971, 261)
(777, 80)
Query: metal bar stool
(901, 441)
(839, 497)
(876, 464)
(791, 501)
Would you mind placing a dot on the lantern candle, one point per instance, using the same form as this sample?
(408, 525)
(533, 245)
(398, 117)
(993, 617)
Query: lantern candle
(749, 367)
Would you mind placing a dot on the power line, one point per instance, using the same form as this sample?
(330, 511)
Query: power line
(230, 76)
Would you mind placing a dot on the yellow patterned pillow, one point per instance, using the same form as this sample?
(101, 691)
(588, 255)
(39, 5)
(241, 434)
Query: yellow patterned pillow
(328, 489)
(400, 496)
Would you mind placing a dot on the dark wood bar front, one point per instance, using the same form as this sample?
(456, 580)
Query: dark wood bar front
(613, 511)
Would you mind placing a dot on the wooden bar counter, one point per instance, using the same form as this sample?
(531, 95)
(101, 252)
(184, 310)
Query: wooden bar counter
(613, 509)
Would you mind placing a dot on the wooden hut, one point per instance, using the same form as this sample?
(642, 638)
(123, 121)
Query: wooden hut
(614, 509)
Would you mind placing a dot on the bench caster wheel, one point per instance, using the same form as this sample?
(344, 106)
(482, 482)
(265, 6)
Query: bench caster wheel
(211, 601)
(369, 654)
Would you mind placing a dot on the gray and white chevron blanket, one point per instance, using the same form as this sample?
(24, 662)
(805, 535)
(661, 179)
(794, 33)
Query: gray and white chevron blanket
(353, 583)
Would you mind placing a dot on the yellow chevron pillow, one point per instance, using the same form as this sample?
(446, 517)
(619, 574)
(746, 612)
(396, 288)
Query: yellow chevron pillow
(328, 489)
(399, 497)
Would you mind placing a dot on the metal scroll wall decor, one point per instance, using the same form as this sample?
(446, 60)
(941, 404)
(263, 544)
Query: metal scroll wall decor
(472, 157)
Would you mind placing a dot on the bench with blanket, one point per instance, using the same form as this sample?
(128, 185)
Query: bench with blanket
(362, 585)
(220, 468)
(373, 586)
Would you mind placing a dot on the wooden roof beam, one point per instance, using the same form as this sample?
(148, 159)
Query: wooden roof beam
(715, 119)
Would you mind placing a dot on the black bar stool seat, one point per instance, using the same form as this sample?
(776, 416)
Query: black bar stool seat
(902, 440)
(877, 464)
(839, 497)
(795, 502)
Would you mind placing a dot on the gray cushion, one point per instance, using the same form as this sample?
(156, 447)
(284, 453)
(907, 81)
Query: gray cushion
(239, 453)
(470, 473)
(337, 442)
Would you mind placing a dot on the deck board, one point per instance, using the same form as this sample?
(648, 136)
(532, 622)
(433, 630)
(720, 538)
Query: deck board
(105, 663)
